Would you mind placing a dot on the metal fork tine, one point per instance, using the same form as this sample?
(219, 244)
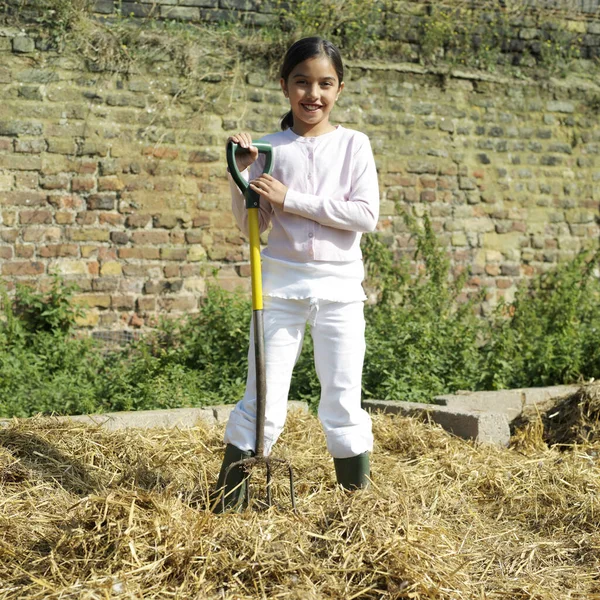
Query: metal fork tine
(269, 483)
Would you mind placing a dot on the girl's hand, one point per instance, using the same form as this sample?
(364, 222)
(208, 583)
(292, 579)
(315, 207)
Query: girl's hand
(246, 153)
(270, 189)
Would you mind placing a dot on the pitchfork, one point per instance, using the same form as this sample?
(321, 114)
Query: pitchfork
(252, 204)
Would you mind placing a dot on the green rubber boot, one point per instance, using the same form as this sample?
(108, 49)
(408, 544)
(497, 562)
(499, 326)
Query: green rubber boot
(235, 486)
(353, 473)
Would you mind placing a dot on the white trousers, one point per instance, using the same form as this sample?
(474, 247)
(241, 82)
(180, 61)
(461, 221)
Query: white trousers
(338, 332)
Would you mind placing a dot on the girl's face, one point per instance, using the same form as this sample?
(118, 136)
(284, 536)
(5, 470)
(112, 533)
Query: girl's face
(312, 89)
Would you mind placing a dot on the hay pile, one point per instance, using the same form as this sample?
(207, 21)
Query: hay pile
(86, 513)
(574, 419)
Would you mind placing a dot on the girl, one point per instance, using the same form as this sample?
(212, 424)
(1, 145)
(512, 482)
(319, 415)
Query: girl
(323, 194)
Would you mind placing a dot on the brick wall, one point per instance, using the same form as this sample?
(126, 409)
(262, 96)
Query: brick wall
(118, 184)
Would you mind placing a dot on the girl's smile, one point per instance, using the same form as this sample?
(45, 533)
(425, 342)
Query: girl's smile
(312, 89)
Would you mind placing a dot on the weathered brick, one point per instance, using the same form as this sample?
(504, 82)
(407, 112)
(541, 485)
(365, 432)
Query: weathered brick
(204, 156)
(58, 250)
(64, 146)
(111, 269)
(55, 182)
(6, 252)
(7, 181)
(135, 221)
(142, 253)
(107, 253)
(244, 270)
(181, 14)
(87, 251)
(17, 127)
(22, 268)
(83, 167)
(137, 271)
(177, 237)
(145, 304)
(92, 300)
(178, 304)
(25, 198)
(191, 270)
(228, 279)
(119, 237)
(110, 184)
(150, 237)
(560, 106)
(66, 201)
(27, 180)
(72, 267)
(35, 217)
(35, 146)
(162, 152)
(171, 271)
(101, 202)
(196, 285)
(86, 218)
(83, 184)
(20, 162)
(89, 318)
(165, 286)
(173, 253)
(512, 270)
(109, 218)
(165, 221)
(196, 253)
(504, 284)
(89, 235)
(24, 250)
(93, 147)
(122, 303)
(105, 284)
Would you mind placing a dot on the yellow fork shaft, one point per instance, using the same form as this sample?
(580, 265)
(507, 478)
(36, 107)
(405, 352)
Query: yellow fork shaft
(253, 229)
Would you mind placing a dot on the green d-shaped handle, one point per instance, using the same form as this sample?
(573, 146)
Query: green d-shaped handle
(252, 198)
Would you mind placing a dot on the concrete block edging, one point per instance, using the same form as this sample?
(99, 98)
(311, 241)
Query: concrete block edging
(480, 416)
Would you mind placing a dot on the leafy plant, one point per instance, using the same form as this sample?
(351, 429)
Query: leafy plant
(50, 312)
(423, 339)
(550, 334)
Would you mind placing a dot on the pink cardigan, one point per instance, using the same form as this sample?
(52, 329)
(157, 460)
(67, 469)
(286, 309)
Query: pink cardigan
(332, 198)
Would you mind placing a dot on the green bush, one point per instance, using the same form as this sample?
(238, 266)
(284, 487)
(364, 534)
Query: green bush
(42, 367)
(550, 334)
(189, 362)
(423, 339)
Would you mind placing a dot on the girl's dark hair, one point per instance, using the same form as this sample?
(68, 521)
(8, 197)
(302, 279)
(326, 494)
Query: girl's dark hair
(310, 47)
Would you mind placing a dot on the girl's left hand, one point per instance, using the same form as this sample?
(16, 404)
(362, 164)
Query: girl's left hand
(270, 189)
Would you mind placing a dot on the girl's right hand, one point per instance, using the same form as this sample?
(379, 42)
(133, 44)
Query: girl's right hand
(246, 153)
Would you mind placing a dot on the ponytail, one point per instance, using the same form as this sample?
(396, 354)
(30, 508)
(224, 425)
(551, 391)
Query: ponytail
(287, 121)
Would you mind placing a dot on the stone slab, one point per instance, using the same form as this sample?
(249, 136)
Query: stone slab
(508, 402)
(183, 418)
(483, 427)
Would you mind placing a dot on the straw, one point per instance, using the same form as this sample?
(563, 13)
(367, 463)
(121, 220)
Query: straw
(88, 513)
